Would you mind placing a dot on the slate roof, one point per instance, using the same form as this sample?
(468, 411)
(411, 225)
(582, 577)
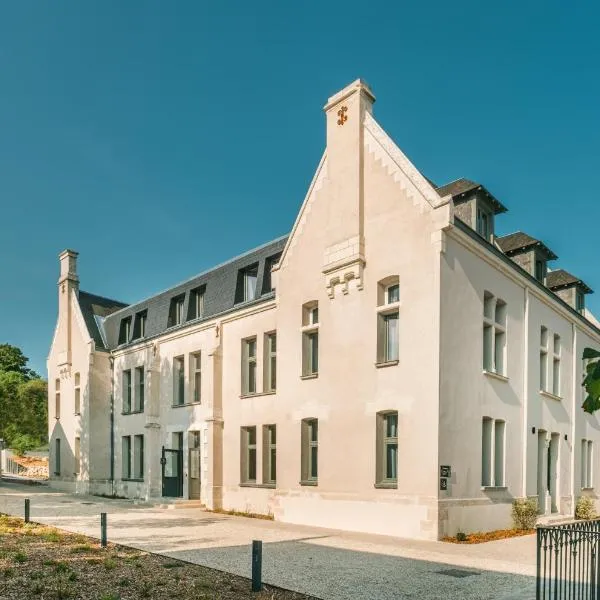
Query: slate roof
(561, 279)
(219, 297)
(463, 187)
(93, 306)
(513, 243)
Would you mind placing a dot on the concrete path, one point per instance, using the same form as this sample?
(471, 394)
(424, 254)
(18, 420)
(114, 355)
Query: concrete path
(328, 564)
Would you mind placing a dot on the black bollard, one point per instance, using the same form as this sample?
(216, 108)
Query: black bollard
(103, 540)
(26, 510)
(256, 565)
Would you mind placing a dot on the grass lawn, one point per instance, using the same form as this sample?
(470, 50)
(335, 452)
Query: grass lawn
(44, 563)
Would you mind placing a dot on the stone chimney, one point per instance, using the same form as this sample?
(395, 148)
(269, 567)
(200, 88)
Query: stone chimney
(344, 258)
(68, 287)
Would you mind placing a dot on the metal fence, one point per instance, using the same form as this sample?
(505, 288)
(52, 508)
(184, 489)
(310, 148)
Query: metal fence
(568, 561)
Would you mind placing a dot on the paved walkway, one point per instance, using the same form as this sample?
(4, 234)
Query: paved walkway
(328, 564)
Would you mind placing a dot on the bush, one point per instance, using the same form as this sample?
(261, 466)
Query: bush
(21, 443)
(585, 508)
(461, 536)
(524, 513)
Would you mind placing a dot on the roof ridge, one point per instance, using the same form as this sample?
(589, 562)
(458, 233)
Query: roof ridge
(205, 272)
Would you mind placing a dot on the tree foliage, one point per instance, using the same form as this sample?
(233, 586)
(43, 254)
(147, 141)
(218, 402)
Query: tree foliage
(592, 380)
(23, 400)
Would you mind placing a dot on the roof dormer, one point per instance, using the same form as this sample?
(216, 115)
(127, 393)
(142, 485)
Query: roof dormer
(474, 205)
(568, 287)
(530, 254)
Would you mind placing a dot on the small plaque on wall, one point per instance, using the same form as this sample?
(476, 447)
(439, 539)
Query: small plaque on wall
(443, 483)
(445, 471)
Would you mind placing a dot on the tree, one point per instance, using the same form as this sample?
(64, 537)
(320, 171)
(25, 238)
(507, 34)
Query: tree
(592, 381)
(13, 360)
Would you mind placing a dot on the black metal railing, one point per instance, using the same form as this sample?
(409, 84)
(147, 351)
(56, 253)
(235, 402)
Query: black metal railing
(568, 561)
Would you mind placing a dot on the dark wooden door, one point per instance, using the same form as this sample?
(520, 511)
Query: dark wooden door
(172, 473)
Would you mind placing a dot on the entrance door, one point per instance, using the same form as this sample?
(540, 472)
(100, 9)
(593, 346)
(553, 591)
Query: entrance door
(194, 465)
(172, 473)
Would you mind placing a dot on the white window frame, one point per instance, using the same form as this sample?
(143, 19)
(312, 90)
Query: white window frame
(196, 377)
(388, 310)
(493, 453)
(270, 362)
(494, 335)
(249, 366)
(310, 339)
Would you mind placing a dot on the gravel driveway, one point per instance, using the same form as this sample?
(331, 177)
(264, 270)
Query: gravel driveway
(329, 564)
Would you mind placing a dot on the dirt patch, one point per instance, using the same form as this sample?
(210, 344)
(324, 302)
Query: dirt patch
(488, 536)
(44, 563)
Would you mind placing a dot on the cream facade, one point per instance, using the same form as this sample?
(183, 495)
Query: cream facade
(380, 369)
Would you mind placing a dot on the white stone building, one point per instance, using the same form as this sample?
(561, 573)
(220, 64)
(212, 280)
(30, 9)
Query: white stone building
(391, 366)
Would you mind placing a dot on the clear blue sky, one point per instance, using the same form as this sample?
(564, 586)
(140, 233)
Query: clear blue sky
(160, 138)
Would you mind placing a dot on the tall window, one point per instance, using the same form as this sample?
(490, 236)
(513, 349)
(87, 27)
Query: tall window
(176, 311)
(484, 219)
(196, 307)
(77, 453)
(387, 449)
(127, 391)
(494, 334)
(248, 458)
(556, 366)
(178, 381)
(138, 457)
(139, 326)
(310, 339)
(139, 389)
(125, 330)
(579, 301)
(269, 454)
(540, 270)
(310, 451)
(196, 376)
(543, 359)
(270, 362)
(587, 464)
(57, 398)
(77, 394)
(126, 457)
(388, 301)
(492, 452)
(249, 366)
(250, 279)
(57, 456)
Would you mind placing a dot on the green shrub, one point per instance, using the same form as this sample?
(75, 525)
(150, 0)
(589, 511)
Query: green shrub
(21, 443)
(461, 536)
(524, 513)
(585, 508)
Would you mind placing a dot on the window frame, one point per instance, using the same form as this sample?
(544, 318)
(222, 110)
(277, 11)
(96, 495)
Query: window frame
(139, 397)
(126, 392)
(270, 362)
(77, 456)
(383, 441)
(249, 366)
(138, 457)
(309, 444)
(269, 455)
(587, 464)
(57, 457)
(388, 311)
(77, 394)
(495, 335)
(178, 380)
(556, 365)
(310, 340)
(247, 448)
(493, 442)
(126, 457)
(57, 399)
(196, 377)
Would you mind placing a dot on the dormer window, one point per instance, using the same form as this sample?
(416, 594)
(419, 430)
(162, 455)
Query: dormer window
(246, 284)
(139, 325)
(484, 221)
(540, 270)
(176, 311)
(125, 330)
(196, 308)
(579, 301)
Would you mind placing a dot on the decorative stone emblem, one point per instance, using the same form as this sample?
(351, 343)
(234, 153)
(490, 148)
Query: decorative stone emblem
(343, 117)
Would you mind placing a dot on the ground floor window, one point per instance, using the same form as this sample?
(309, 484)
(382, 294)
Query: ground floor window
(387, 449)
(492, 452)
(587, 464)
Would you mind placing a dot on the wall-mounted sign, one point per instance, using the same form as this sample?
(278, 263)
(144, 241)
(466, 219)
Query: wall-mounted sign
(445, 471)
(443, 483)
